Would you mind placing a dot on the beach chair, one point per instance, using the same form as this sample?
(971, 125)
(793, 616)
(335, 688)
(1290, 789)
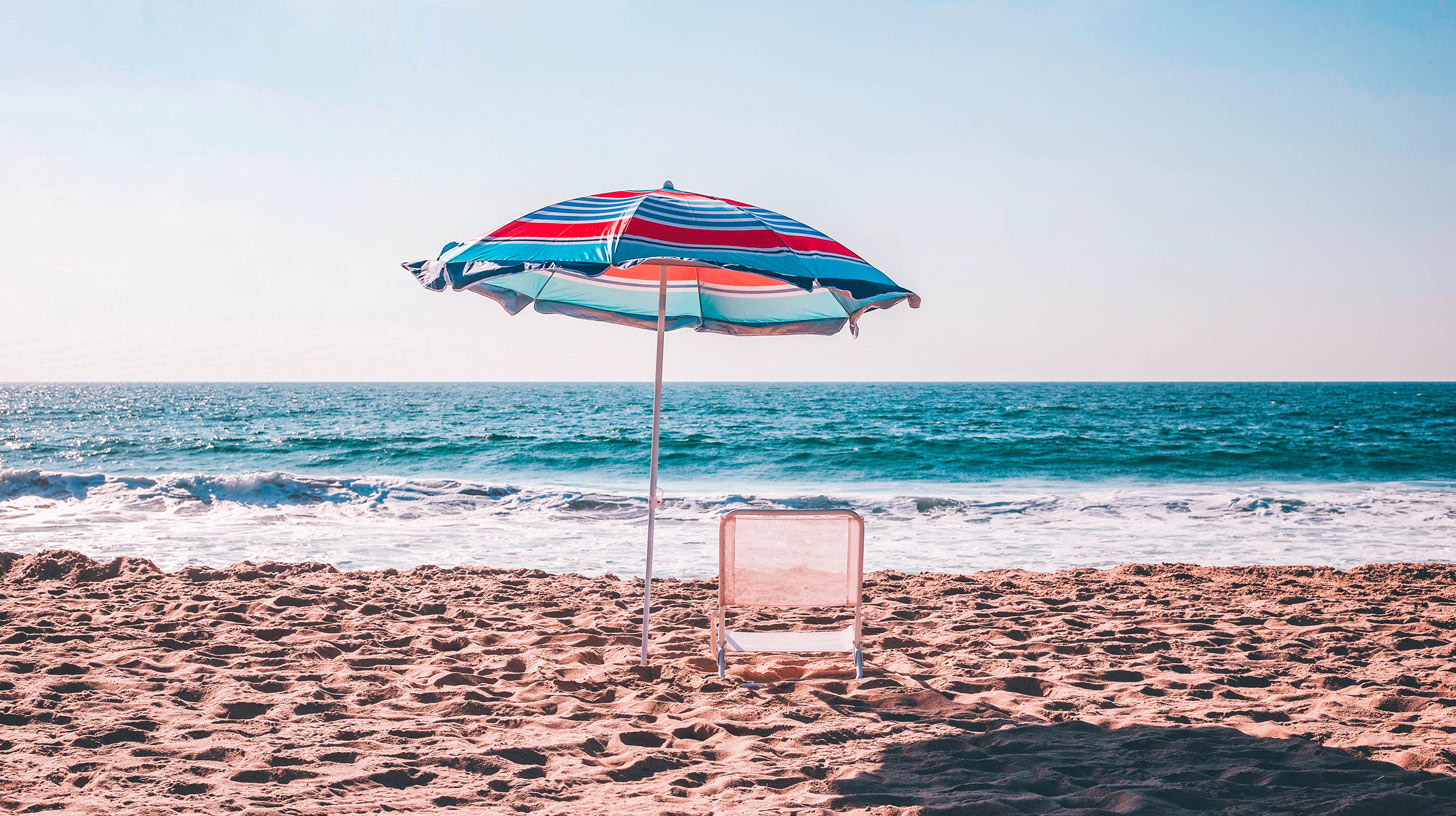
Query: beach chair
(789, 558)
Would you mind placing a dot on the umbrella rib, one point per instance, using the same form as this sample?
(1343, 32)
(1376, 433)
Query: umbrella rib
(622, 223)
(550, 276)
(793, 253)
(698, 280)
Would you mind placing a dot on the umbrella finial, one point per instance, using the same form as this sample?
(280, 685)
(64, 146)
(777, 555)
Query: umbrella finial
(667, 185)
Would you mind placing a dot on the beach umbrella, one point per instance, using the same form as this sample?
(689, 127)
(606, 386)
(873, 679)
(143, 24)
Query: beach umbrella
(667, 259)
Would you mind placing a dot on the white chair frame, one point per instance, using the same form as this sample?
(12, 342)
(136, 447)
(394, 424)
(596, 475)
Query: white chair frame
(846, 641)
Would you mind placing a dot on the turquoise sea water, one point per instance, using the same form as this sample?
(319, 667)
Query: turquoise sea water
(951, 476)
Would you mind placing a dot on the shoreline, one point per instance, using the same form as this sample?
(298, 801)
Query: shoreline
(61, 564)
(379, 522)
(1138, 689)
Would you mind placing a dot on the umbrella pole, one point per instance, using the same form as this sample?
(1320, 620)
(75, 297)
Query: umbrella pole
(652, 478)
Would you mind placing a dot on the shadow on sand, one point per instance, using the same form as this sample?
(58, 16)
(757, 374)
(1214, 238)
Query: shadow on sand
(1084, 769)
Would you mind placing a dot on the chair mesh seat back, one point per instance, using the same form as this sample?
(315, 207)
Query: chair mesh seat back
(798, 559)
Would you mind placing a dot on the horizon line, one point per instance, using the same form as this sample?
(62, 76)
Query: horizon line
(734, 382)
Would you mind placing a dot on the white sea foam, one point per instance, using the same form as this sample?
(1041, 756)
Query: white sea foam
(379, 522)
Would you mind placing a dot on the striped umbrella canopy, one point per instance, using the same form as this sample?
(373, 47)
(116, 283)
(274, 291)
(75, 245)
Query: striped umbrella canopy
(731, 268)
(668, 259)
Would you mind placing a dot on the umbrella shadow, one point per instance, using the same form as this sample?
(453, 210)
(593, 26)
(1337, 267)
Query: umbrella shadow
(1077, 767)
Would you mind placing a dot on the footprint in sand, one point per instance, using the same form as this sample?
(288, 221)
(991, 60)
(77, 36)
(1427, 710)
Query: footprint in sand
(271, 776)
(1020, 684)
(271, 635)
(521, 756)
(514, 666)
(401, 778)
(244, 710)
(646, 767)
(641, 739)
(587, 657)
(697, 732)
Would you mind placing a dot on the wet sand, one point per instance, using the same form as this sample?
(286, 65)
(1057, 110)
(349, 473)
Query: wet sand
(294, 688)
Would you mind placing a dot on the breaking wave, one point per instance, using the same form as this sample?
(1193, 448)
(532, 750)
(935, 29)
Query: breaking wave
(385, 521)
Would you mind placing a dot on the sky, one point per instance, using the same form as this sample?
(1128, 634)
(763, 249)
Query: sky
(1079, 190)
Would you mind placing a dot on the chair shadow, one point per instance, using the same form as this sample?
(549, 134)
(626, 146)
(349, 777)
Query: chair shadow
(1081, 768)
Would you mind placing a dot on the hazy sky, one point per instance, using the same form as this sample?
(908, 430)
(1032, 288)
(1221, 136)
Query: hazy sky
(219, 191)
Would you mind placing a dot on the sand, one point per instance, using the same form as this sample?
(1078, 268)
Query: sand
(294, 688)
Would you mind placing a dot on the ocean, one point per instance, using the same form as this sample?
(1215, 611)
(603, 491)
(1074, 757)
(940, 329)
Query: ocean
(949, 476)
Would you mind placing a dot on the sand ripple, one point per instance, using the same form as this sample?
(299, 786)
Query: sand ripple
(1145, 689)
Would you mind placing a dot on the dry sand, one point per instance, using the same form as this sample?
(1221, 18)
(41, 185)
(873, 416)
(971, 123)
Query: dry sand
(293, 688)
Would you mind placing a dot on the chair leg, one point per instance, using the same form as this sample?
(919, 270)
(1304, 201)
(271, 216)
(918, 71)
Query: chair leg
(858, 664)
(722, 664)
